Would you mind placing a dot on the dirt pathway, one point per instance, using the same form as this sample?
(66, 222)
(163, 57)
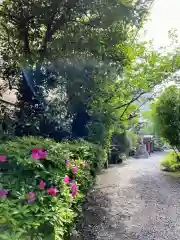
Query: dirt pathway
(134, 201)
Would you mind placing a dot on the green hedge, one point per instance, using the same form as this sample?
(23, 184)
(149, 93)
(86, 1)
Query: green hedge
(35, 200)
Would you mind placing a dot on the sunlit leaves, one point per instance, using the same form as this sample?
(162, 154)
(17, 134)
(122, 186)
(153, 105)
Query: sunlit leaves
(167, 110)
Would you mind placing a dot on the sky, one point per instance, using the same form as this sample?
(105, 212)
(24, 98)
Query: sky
(165, 15)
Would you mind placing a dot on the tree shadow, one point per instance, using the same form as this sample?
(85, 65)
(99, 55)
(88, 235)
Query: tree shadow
(98, 222)
(94, 214)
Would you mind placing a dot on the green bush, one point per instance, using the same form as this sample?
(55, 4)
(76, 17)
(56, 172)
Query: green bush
(35, 201)
(171, 162)
(89, 152)
(167, 116)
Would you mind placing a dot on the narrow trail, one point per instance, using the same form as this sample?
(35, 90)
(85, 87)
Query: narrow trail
(134, 201)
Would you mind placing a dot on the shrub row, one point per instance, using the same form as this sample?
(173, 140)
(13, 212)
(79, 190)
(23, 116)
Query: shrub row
(42, 186)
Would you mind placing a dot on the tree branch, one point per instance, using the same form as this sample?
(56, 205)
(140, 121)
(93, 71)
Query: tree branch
(129, 103)
(51, 28)
(134, 114)
(126, 105)
(25, 35)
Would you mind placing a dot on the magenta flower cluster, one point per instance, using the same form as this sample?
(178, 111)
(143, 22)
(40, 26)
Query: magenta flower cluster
(40, 154)
(74, 169)
(3, 193)
(37, 154)
(3, 158)
(30, 197)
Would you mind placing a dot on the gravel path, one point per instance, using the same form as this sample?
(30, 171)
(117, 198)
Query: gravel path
(134, 201)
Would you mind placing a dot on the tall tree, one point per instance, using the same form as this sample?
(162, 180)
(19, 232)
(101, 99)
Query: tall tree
(39, 31)
(168, 116)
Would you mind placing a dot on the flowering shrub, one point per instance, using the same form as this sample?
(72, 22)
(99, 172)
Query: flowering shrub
(42, 184)
(3, 158)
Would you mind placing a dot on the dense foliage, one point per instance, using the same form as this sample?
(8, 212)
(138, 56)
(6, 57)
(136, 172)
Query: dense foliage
(42, 184)
(171, 162)
(74, 52)
(167, 116)
(77, 67)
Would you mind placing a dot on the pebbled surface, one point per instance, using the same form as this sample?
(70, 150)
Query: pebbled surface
(133, 201)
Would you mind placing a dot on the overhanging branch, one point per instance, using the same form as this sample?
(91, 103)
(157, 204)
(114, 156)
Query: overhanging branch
(126, 105)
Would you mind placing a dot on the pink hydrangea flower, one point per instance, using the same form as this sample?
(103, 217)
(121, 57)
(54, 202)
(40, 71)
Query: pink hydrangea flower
(52, 191)
(35, 155)
(3, 158)
(43, 155)
(3, 193)
(74, 169)
(74, 189)
(42, 185)
(66, 179)
(31, 197)
(38, 153)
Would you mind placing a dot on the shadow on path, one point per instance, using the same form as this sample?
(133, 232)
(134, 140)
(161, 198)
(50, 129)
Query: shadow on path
(98, 218)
